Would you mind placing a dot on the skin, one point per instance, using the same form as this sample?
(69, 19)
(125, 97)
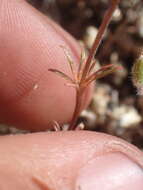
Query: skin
(30, 46)
(49, 160)
(52, 161)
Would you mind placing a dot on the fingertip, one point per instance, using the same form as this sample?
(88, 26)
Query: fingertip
(32, 97)
(69, 160)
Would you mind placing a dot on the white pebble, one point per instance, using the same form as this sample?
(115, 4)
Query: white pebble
(127, 116)
(90, 35)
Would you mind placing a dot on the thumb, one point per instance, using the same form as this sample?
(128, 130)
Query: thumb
(69, 161)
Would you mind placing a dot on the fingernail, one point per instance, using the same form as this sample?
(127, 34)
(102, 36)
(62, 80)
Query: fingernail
(113, 171)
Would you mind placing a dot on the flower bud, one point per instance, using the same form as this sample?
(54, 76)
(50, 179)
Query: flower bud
(137, 75)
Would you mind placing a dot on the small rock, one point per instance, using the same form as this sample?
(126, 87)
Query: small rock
(89, 117)
(90, 36)
(103, 98)
(126, 116)
(117, 16)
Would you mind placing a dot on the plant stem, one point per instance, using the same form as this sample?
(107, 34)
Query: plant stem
(88, 66)
(77, 109)
(99, 37)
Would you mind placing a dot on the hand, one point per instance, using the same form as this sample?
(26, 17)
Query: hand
(31, 97)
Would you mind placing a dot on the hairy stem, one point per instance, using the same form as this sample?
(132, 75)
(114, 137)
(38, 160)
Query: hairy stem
(77, 109)
(99, 37)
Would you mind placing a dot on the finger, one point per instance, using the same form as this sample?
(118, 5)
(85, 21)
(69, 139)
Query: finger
(31, 97)
(69, 160)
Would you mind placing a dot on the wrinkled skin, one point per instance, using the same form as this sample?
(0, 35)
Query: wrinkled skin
(30, 45)
(54, 161)
(77, 160)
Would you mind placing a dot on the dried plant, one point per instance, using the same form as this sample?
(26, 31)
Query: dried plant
(85, 74)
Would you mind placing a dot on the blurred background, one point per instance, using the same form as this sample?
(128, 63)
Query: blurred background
(116, 108)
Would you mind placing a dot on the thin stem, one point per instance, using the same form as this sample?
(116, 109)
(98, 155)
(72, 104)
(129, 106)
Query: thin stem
(77, 109)
(99, 37)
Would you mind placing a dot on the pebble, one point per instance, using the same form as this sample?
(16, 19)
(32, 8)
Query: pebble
(90, 35)
(126, 116)
(117, 16)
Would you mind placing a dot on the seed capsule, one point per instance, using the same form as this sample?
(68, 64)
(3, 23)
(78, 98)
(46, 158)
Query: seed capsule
(137, 75)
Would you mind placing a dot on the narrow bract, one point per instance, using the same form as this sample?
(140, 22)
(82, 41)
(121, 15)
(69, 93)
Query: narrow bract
(84, 74)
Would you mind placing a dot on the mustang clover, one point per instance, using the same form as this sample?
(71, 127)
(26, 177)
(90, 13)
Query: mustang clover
(81, 80)
(84, 74)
